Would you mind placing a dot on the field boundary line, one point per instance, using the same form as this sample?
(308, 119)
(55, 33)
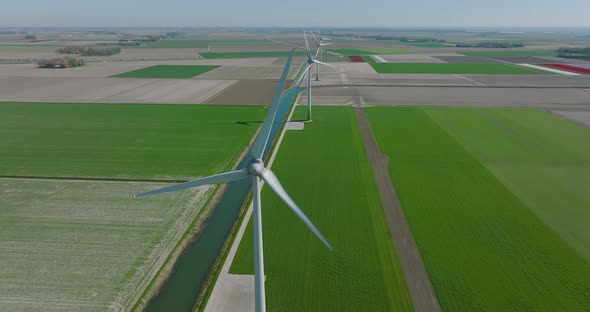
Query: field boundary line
(417, 279)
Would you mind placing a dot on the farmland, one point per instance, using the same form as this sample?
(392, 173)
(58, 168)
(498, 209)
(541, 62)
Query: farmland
(512, 53)
(371, 51)
(542, 158)
(451, 68)
(83, 245)
(238, 55)
(73, 235)
(27, 48)
(168, 71)
(363, 272)
(483, 243)
(175, 43)
(119, 141)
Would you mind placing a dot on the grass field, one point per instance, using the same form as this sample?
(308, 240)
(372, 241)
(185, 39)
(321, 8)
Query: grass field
(326, 171)
(238, 55)
(384, 51)
(123, 141)
(485, 249)
(84, 246)
(512, 53)
(168, 71)
(451, 68)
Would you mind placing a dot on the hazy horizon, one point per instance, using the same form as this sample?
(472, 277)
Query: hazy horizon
(304, 13)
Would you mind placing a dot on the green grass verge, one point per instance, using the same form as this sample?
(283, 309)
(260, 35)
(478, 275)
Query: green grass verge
(542, 158)
(238, 55)
(168, 71)
(484, 249)
(384, 51)
(512, 53)
(335, 187)
(450, 68)
(122, 141)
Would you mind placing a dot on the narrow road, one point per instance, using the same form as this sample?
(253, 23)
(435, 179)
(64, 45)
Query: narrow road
(417, 279)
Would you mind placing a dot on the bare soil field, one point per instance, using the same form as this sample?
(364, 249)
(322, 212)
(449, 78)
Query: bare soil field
(411, 58)
(246, 92)
(109, 90)
(248, 48)
(84, 245)
(467, 59)
(579, 117)
(526, 59)
(457, 96)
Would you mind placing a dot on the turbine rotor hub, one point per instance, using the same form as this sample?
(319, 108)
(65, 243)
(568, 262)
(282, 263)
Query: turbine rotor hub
(255, 167)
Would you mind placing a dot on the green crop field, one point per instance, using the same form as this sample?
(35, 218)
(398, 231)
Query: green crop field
(451, 68)
(326, 171)
(384, 51)
(518, 53)
(123, 141)
(238, 55)
(541, 158)
(168, 71)
(484, 245)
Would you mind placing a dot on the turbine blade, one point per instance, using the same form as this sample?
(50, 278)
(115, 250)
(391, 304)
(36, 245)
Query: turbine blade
(214, 179)
(269, 177)
(313, 35)
(259, 145)
(307, 46)
(322, 63)
(303, 73)
(326, 43)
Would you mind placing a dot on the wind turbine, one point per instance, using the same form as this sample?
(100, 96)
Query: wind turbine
(310, 61)
(320, 52)
(256, 170)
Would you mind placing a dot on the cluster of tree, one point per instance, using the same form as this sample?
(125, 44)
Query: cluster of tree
(583, 53)
(30, 37)
(61, 62)
(128, 43)
(90, 51)
(491, 45)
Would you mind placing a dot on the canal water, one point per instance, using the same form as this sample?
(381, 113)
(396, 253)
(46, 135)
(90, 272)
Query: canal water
(192, 268)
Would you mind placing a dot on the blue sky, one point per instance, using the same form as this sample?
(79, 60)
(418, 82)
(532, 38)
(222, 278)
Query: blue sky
(367, 13)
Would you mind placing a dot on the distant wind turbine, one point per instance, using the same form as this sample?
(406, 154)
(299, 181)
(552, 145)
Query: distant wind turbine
(310, 61)
(320, 51)
(256, 170)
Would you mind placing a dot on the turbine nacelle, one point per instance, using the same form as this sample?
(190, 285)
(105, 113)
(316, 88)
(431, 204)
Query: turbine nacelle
(255, 167)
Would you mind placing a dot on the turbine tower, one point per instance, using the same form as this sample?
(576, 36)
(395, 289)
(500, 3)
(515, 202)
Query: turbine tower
(256, 170)
(310, 61)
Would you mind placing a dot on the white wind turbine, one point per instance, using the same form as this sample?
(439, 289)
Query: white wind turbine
(320, 51)
(310, 61)
(256, 170)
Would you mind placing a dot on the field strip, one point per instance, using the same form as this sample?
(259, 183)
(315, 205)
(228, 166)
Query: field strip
(220, 294)
(419, 284)
(551, 70)
(379, 59)
(83, 179)
(221, 91)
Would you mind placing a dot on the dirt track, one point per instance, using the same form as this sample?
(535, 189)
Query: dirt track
(419, 285)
